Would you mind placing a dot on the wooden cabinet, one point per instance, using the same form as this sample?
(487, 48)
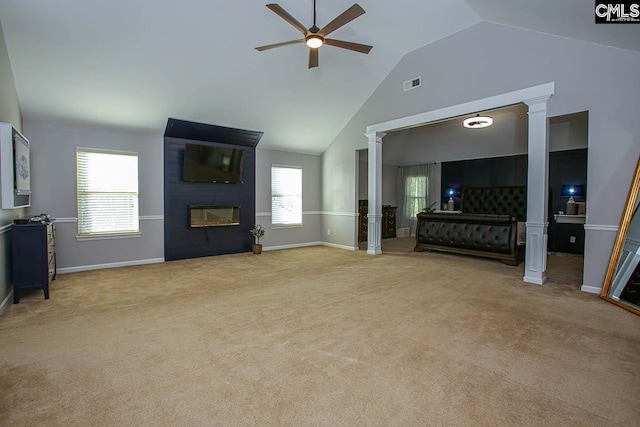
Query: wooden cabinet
(389, 224)
(33, 257)
(363, 209)
(389, 221)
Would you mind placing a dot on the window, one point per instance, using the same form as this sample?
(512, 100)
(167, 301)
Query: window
(107, 192)
(416, 192)
(415, 196)
(286, 195)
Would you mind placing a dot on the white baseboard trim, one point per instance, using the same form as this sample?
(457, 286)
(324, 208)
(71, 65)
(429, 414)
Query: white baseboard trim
(337, 246)
(591, 289)
(303, 245)
(5, 301)
(292, 246)
(159, 260)
(109, 265)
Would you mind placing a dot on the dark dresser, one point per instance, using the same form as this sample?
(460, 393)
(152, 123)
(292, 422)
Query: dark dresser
(389, 225)
(33, 257)
(389, 214)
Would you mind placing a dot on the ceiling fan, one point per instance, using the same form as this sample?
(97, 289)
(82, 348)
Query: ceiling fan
(315, 37)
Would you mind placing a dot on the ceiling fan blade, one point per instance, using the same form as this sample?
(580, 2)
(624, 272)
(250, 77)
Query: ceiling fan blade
(313, 57)
(362, 48)
(347, 16)
(272, 46)
(287, 17)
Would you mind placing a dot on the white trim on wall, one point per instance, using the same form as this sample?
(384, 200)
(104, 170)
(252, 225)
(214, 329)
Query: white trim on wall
(109, 265)
(6, 300)
(302, 245)
(160, 260)
(5, 228)
(337, 246)
(292, 246)
(152, 218)
(597, 227)
(590, 289)
(350, 214)
(141, 218)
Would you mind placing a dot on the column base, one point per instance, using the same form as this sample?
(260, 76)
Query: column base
(535, 265)
(374, 232)
(535, 279)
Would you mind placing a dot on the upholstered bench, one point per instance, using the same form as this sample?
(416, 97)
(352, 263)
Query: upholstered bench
(491, 225)
(492, 236)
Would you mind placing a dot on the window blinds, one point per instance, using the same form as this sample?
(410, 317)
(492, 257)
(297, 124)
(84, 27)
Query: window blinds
(107, 192)
(286, 195)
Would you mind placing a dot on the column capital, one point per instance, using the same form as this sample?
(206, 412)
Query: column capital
(538, 103)
(375, 136)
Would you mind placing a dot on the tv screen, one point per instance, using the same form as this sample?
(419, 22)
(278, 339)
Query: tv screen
(205, 163)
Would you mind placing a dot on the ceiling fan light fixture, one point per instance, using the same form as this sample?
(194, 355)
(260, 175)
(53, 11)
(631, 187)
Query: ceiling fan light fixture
(314, 41)
(478, 122)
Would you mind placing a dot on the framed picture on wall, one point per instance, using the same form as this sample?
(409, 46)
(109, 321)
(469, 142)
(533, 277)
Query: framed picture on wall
(22, 166)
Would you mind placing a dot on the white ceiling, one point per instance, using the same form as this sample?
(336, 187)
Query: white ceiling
(135, 63)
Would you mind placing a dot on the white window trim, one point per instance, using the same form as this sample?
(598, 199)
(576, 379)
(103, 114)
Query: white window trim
(291, 225)
(108, 236)
(115, 235)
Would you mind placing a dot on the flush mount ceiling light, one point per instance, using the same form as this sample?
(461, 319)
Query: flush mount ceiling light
(478, 122)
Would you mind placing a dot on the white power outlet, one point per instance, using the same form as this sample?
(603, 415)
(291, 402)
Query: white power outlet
(328, 232)
(572, 239)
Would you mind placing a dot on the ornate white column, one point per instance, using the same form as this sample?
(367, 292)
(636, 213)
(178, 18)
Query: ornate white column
(374, 216)
(535, 265)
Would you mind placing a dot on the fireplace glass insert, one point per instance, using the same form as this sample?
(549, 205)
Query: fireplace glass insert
(213, 216)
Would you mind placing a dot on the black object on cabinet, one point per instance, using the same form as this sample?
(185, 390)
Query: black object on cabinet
(33, 257)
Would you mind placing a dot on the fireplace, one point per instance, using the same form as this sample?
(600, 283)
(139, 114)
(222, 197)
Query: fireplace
(213, 216)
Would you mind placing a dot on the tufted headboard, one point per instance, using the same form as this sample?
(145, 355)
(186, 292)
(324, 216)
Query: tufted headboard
(496, 200)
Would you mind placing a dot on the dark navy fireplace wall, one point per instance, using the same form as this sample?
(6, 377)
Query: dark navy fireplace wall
(182, 241)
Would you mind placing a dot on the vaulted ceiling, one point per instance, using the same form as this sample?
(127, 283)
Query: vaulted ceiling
(135, 63)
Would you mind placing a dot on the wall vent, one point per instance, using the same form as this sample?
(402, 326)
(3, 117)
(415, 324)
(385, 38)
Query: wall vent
(412, 83)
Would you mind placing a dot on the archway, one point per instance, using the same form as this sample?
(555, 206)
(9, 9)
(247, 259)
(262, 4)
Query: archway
(536, 99)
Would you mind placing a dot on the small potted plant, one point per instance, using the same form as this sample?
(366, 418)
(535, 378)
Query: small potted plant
(257, 231)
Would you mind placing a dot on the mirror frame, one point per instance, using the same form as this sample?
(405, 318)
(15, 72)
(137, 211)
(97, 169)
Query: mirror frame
(625, 222)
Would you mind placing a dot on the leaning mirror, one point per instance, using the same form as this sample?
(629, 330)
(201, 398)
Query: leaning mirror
(622, 282)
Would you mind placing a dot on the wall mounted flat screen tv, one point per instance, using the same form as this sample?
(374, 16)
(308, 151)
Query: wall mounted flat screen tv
(205, 163)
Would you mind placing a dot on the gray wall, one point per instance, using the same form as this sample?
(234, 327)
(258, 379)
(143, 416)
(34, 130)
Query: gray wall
(9, 113)
(54, 188)
(588, 77)
(311, 231)
(53, 164)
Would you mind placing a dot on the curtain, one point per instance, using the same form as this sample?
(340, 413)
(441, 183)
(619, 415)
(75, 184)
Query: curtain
(416, 193)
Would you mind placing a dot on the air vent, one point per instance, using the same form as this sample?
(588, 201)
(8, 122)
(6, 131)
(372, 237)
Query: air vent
(412, 83)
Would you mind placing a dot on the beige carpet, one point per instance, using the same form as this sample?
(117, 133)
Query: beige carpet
(320, 337)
